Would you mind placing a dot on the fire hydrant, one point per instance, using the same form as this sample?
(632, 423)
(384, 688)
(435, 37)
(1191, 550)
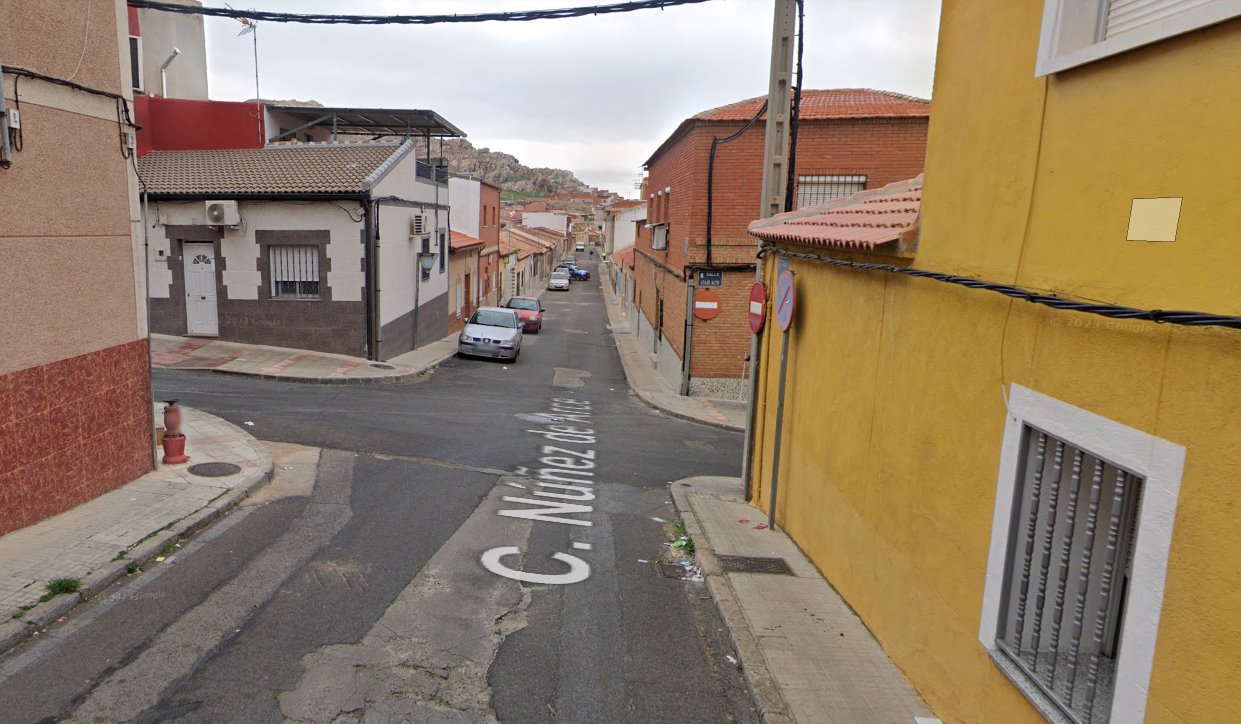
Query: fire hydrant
(174, 439)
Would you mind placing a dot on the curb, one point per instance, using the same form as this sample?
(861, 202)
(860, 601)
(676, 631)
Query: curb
(386, 379)
(758, 678)
(14, 632)
(643, 394)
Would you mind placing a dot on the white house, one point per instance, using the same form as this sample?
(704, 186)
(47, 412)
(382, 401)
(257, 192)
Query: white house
(546, 220)
(339, 247)
(620, 226)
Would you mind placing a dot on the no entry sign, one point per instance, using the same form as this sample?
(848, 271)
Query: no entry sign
(758, 307)
(706, 304)
(785, 297)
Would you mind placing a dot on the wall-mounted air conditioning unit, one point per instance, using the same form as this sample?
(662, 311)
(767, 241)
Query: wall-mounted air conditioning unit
(223, 213)
(659, 237)
(417, 225)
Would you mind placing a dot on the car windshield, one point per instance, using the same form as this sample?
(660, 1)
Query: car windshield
(494, 318)
(523, 304)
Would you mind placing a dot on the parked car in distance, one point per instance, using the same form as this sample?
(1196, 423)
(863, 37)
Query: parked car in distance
(580, 247)
(570, 260)
(559, 280)
(575, 273)
(491, 332)
(529, 312)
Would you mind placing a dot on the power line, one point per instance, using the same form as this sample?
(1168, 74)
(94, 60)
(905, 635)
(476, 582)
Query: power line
(329, 19)
(1185, 318)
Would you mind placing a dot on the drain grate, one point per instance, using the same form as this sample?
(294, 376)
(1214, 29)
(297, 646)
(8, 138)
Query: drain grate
(754, 564)
(382, 366)
(214, 470)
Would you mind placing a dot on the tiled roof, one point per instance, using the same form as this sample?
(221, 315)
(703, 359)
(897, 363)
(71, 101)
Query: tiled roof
(459, 241)
(623, 258)
(863, 221)
(816, 105)
(296, 168)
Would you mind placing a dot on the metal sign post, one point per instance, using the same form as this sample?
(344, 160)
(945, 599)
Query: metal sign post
(786, 294)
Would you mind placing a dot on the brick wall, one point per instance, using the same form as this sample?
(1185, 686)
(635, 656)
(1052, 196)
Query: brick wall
(883, 149)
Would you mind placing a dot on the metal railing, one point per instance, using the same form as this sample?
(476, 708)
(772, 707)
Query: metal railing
(435, 174)
(1059, 561)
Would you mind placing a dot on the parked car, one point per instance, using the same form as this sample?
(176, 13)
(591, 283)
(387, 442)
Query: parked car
(559, 280)
(491, 332)
(570, 260)
(529, 312)
(575, 273)
(580, 247)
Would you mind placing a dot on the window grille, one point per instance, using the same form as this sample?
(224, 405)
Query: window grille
(1068, 568)
(294, 272)
(814, 190)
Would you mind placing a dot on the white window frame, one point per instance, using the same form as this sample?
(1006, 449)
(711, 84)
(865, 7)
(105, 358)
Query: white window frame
(1160, 463)
(1059, 15)
(135, 43)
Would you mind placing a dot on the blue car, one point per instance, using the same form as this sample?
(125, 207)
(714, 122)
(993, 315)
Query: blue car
(575, 273)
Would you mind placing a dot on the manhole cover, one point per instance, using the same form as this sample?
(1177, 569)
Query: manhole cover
(214, 470)
(754, 564)
(382, 366)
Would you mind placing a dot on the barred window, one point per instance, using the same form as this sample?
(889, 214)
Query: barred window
(814, 190)
(294, 272)
(1068, 571)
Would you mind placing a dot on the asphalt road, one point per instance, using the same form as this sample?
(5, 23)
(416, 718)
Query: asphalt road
(478, 544)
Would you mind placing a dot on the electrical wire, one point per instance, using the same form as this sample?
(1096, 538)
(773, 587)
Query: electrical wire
(717, 140)
(795, 116)
(1113, 311)
(330, 19)
(15, 70)
(85, 40)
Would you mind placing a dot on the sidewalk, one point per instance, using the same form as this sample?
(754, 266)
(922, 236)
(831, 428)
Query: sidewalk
(649, 385)
(293, 365)
(99, 540)
(804, 654)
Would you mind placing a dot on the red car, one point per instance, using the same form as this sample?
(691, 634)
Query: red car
(529, 312)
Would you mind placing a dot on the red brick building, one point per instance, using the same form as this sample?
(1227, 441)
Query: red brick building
(848, 140)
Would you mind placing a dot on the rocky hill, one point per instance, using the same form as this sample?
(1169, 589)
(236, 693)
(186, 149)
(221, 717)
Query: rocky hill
(506, 171)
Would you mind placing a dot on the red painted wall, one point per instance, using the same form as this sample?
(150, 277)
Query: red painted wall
(177, 124)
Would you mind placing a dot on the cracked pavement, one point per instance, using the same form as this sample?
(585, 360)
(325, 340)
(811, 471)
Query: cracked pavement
(354, 588)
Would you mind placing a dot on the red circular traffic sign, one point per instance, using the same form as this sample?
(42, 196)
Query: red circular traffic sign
(758, 307)
(706, 304)
(786, 295)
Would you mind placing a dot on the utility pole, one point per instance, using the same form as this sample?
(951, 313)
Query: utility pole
(779, 103)
(775, 180)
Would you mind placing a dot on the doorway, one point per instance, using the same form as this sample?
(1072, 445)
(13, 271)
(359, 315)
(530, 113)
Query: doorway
(201, 314)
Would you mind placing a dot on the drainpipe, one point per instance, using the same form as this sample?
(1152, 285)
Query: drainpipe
(375, 318)
(689, 337)
(163, 72)
(6, 158)
(368, 271)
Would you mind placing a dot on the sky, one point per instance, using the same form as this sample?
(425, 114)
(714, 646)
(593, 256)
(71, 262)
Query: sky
(596, 95)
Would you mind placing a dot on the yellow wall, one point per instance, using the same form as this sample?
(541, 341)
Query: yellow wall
(894, 408)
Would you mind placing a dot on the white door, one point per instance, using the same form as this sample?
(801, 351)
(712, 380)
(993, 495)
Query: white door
(200, 306)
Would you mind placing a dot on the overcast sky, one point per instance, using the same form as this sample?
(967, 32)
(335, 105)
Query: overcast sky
(595, 95)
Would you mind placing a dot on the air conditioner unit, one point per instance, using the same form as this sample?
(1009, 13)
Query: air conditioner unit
(659, 237)
(417, 225)
(223, 213)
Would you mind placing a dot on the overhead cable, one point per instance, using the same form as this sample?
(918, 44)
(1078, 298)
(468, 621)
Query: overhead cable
(332, 19)
(1163, 316)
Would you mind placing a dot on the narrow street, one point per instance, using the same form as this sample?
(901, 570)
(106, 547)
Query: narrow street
(389, 589)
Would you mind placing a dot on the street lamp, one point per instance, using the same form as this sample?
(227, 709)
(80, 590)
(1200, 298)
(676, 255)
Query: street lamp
(426, 260)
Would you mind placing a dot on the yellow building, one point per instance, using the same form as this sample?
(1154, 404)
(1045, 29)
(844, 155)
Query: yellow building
(1018, 498)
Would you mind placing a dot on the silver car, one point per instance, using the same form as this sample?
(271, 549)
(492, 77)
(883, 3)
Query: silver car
(491, 332)
(559, 280)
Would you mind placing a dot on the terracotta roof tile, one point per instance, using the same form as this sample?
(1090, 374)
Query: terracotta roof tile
(816, 105)
(624, 258)
(827, 104)
(863, 221)
(459, 241)
(301, 168)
